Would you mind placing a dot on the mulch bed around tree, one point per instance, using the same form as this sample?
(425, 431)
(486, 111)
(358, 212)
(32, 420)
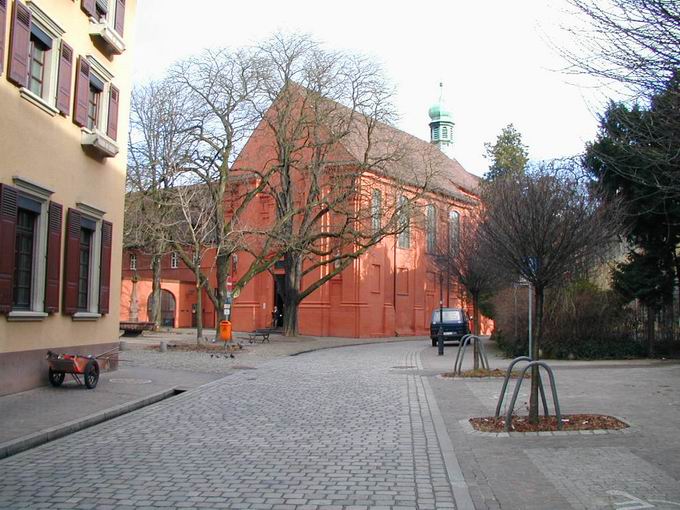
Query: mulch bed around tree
(481, 372)
(208, 347)
(549, 423)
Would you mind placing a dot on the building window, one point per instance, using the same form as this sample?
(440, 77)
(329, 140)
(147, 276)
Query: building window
(34, 250)
(94, 101)
(376, 211)
(133, 262)
(431, 228)
(174, 260)
(445, 133)
(38, 60)
(404, 239)
(435, 133)
(24, 258)
(85, 269)
(87, 272)
(36, 74)
(454, 231)
(101, 10)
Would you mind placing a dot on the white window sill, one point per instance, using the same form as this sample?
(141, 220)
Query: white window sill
(26, 316)
(113, 40)
(86, 316)
(99, 142)
(38, 101)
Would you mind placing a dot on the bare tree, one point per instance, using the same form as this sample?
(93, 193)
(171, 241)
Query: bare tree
(633, 42)
(462, 256)
(217, 88)
(328, 147)
(193, 236)
(540, 226)
(158, 148)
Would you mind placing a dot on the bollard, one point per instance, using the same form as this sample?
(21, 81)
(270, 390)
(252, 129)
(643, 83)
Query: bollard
(164, 346)
(123, 346)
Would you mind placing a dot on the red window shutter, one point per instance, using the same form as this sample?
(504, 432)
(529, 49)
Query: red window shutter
(88, 7)
(82, 92)
(119, 23)
(3, 22)
(8, 235)
(53, 258)
(21, 38)
(105, 273)
(71, 262)
(64, 80)
(112, 129)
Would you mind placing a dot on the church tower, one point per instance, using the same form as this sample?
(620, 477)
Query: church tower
(441, 125)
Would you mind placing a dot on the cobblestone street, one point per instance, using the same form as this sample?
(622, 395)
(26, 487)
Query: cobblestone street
(332, 429)
(359, 427)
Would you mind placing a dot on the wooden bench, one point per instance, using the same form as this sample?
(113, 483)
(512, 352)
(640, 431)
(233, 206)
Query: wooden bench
(259, 333)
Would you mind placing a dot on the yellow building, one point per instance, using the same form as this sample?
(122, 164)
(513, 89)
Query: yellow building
(64, 103)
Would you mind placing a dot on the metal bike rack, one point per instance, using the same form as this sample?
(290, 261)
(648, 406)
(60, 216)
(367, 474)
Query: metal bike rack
(458, 365)
(506, 381)
(540, 364)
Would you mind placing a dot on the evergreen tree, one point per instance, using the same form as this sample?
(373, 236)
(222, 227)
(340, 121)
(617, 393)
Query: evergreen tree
(508, 155)
(636, 159)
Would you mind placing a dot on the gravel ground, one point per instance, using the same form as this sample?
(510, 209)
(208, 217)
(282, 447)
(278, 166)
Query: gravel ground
(143, 350)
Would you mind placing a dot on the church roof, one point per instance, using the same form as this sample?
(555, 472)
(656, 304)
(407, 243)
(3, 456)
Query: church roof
(409, 159)
(394, 154)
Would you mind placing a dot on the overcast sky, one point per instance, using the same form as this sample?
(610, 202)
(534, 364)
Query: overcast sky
(491, 55)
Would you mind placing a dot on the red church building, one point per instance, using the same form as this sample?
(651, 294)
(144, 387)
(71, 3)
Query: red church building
(390, 290)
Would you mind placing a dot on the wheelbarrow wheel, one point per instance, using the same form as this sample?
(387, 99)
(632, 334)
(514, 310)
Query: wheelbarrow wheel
(91, 374)
(55, 378)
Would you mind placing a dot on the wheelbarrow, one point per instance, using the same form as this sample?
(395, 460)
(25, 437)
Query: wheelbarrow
(76, 365)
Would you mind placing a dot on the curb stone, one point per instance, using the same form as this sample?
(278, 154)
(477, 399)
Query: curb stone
(9, 448)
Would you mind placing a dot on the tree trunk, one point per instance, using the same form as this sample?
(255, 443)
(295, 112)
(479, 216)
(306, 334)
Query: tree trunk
(476, 328)
(533, 398)
(223, 266)
(155, 312)
(199, 308)
(291, 293)
(649, 341)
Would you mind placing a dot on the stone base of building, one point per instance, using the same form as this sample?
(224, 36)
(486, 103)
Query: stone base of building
(25, 370)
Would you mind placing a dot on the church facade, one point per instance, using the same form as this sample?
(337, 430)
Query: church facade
(390, 290)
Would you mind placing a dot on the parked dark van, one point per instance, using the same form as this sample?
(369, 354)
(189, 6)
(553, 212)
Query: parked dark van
(455, 324)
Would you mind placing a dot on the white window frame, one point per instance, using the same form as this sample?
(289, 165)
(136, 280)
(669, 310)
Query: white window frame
(174, 260)
(97, 137)
(133, 262)
(106, 77)
(42, 196)
(96, 215)
(48, 101)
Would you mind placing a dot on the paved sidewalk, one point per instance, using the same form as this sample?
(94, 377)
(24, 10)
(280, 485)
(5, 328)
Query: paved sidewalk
(639, 469)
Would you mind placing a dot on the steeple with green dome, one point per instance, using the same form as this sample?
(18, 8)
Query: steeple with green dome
(441, 124)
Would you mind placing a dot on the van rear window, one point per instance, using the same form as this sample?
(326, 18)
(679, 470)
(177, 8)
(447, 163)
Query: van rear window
(449, 316)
